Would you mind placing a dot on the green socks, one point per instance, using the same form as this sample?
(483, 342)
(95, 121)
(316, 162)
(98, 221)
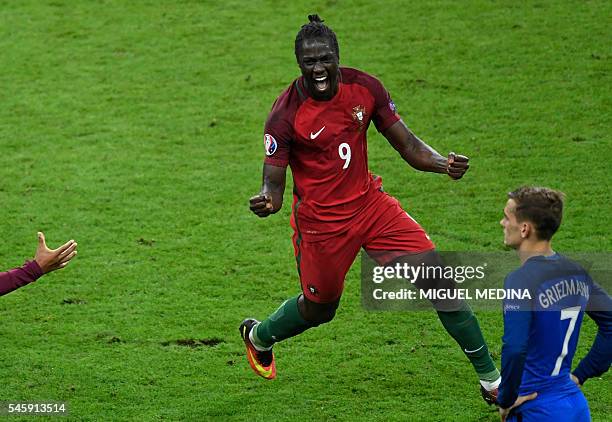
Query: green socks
(463, 326)
(285, 322)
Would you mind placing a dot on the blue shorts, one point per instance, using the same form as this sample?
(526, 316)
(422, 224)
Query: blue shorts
(558, 408)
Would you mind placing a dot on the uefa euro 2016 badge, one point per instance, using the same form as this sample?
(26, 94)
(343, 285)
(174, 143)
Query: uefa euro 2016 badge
(392, 106)
(270, 144)
(359, 116)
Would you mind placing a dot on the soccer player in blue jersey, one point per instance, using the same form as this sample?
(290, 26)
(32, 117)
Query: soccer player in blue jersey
(541, 333)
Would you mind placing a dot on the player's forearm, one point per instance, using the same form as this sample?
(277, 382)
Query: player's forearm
(514, 352)
(426, 159)
(599, 358)
(18, 277)
(414, 151)
(420, 155)
(513, 362)
(275, 190)
(273, 185)
(597, 361)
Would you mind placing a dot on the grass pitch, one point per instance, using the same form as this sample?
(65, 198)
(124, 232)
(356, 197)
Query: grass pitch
(136, 129)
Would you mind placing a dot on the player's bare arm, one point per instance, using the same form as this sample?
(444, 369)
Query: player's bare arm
(270, 199)
(52, 259)
(45, 261)
(423, 157)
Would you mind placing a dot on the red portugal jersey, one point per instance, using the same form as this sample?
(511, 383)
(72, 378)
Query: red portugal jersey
(324, 143)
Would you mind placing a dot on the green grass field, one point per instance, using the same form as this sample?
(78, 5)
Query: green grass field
(135, 128)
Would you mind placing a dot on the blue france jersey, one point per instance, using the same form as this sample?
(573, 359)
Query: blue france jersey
(541, 331)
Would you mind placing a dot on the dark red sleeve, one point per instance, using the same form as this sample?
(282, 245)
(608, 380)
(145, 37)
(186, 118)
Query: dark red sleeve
(384, 114)
(14, 279)
(278, 132)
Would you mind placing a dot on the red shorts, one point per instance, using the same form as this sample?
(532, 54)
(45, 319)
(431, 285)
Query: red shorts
(382, 228)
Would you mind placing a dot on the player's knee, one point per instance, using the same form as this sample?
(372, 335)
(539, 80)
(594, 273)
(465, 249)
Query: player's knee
(325, 315)
(317, 313)
(437, 288)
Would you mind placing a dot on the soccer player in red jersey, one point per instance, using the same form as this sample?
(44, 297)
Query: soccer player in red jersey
(318, 127)
(45, 261)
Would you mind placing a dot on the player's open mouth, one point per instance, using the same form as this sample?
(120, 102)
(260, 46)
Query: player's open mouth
(321, 83)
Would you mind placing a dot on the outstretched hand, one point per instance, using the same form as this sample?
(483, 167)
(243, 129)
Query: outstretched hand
(456, 165)
(261, 205)
(503, 413)
(52, 259)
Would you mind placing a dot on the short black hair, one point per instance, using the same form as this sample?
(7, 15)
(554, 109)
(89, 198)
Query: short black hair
(315, 29)
(541, 206)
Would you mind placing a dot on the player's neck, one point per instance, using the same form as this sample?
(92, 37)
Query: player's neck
(530, 248)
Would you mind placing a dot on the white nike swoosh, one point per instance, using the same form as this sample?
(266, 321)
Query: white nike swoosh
(314, 135)
(473, 351)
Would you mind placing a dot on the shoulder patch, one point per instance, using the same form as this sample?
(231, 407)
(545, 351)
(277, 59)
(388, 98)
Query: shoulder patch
(392, 106)
(270, 144)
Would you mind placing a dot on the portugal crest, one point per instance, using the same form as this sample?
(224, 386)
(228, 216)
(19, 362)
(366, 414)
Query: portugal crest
(359, 116)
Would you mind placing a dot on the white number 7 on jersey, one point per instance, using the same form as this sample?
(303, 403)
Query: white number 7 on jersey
(344, 151)
(571, 314)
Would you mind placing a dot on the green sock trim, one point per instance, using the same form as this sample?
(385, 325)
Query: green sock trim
(257, 341)
(285, 322)
(463, 326)
(490, 376)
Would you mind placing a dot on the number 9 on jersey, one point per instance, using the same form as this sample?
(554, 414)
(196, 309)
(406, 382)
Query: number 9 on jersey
(344, 151)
